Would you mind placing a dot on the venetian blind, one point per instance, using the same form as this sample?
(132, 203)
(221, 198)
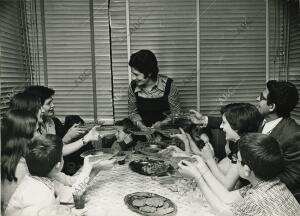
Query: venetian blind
(294, 52)
(168, 28)
(69, 57)
(232, 52)
(12, 69)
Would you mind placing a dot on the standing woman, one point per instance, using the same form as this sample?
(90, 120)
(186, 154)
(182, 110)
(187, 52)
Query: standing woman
(151, 95)
(17, 129)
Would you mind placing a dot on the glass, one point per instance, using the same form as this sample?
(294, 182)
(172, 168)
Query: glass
(79, 200)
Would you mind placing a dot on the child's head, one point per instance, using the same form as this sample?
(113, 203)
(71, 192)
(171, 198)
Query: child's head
(45, 155)
(259, 154)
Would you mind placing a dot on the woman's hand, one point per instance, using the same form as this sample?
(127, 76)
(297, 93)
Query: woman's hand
(188, 169)
(184, 138)
(207, 152)
(74, 132)
(200, 164)
(93, 134)
(174, 151)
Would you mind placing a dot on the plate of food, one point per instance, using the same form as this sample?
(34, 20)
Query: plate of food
(151, 167)
(149, 131)
(167, 132)
(150, 148)
(97, 155)
(150, 204)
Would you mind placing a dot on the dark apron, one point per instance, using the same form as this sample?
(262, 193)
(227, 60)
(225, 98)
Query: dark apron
(151, 109)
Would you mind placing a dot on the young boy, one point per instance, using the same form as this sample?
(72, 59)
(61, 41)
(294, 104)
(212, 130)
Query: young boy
(259, 161)
(39, 189)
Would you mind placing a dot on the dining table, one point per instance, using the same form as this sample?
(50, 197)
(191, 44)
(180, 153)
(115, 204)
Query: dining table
(107, 189)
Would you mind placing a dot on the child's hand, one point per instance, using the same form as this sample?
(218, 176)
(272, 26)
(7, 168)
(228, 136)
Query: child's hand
(207, 152)
(188, 169)
(106, 164)
(200, 164)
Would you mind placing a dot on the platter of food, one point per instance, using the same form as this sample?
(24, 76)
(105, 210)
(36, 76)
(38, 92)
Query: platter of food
(96, 155)
(150, 204)
(151, 167)
(149, 131)
(150, 148)
(168, 132)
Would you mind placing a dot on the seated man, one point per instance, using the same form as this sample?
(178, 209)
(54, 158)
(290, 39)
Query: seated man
(151, 96)
(259, 161)
(275, 103)
(291, 172)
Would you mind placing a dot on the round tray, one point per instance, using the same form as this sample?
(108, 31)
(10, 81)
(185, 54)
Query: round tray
(143, 202)
(151, 167)
(96, 155)
(142, 133)
(150, 148)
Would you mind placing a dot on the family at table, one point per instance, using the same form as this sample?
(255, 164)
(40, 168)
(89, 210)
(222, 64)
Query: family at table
(260, 174)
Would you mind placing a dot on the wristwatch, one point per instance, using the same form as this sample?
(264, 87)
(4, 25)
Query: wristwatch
(84, 141)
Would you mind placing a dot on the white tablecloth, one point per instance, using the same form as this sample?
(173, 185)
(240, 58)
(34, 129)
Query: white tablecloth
(105, 195)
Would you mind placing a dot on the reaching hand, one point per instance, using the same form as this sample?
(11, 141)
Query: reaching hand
(185, 139)
(156, 124)
(93, 134)
(200, 164)
(197, 118)
(188, 169)
(74, 132)
(207, 152)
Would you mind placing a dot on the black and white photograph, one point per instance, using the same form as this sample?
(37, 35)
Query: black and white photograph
(150, 107)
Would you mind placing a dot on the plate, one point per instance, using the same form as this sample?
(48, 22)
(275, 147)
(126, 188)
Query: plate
(151, 167)
(169, 131)
(150, 204)
(150, 148)
(142, 133)
(96, 155)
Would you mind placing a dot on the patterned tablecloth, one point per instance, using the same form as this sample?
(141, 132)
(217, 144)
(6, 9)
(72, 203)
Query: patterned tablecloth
(105, 195)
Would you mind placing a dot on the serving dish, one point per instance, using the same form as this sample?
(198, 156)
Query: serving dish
(151, 167)
(150, 204)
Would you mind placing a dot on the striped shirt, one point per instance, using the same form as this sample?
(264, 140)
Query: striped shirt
(156, 92)
(267, 198)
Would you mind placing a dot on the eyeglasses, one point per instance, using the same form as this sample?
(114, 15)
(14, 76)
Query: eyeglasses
(262, 97)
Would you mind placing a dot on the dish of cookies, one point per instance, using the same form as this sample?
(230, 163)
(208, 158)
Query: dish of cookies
(150, 204)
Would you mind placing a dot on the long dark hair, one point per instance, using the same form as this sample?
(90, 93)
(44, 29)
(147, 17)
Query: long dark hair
(17, 129)
(26, 101)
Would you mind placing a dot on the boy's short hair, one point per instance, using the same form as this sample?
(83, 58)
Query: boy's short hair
(44, 153)
(284, 95)
(262, 154)
(242, 117)
(41, 91)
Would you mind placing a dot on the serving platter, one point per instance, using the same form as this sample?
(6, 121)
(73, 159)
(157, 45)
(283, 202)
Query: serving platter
(150, 148)
(96, 155)
(150, 204)
(151, 167)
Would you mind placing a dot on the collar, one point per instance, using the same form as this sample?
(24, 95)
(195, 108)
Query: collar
(269, 126)
(49, 182)
(159, 84)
